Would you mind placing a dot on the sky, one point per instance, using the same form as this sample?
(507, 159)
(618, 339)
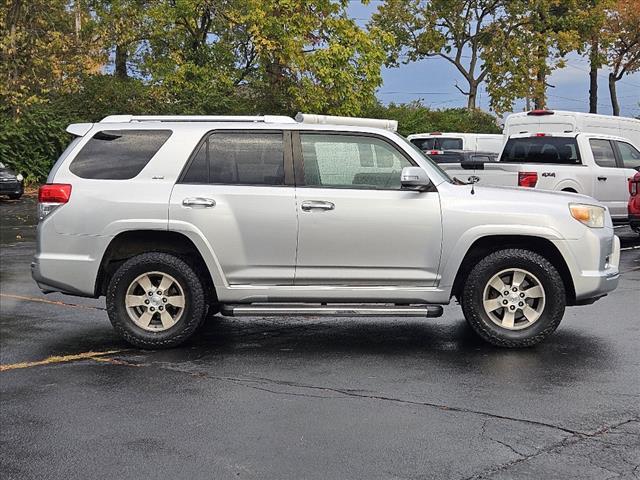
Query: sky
(432, 81)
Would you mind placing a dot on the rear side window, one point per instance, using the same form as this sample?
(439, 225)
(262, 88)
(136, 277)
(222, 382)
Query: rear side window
(559, 150)
(118, 154)
(439, 143)
(603, 152)
(238, 158)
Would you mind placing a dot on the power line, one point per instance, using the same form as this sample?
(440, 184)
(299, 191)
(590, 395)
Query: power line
(602, 75)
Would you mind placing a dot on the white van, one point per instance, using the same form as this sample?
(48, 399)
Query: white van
(550, 121)
(474, 142)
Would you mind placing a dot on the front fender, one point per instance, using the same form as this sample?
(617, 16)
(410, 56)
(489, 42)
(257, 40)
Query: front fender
(453, 257)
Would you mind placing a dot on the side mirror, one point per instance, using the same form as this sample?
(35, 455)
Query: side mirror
(415, 178)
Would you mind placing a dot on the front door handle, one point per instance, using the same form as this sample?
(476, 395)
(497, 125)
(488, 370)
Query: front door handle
(199, 202)
(309, 205)
(602, 179)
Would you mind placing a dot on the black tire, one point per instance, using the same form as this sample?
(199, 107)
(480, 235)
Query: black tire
(213, 310)
(194, 303)
(481, 274)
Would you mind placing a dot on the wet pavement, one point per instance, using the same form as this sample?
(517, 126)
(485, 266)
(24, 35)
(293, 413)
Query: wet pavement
(312, 398)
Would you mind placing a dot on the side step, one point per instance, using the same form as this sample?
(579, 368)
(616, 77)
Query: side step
(333, 310)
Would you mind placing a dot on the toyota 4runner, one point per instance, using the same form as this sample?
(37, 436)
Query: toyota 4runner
(174, 219)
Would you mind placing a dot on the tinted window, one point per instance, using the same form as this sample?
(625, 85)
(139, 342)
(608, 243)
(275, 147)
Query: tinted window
(603, 152)
(447, 157)
(118, 154)
(547, 149)
(351, 162)
(629, 154)
(238, 158)
(439, 143)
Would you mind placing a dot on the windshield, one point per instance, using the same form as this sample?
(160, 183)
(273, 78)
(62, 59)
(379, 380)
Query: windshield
(435, 166)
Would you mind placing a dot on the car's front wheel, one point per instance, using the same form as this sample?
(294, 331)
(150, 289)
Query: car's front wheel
(155, 300)
(514, 298)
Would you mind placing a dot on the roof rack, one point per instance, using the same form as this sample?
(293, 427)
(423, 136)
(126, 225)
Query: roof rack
(197, 118)
(300, 118)
(353, 121)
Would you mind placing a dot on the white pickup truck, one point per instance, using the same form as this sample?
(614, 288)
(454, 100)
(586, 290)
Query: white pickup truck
(591, 164)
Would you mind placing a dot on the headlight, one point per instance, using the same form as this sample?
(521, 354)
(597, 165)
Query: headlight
(591, 215)
(19, 177)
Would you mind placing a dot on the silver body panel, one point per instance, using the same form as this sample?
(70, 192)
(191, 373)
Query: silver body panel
(260, 245)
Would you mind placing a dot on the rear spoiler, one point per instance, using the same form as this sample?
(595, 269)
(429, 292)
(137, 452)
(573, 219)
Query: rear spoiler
(79, 129)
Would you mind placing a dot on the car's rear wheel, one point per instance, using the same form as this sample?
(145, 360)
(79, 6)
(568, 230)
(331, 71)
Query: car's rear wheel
(514, 298)
(155, 300)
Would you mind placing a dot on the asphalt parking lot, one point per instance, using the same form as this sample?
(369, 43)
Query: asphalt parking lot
(312, 398)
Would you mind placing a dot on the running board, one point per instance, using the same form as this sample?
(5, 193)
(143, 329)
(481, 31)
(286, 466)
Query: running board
(335, 310)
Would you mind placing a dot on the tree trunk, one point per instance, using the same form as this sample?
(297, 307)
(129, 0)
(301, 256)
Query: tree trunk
(121, 62)
(593, 77)
(614, 96)
(540, 100)
(473, 95)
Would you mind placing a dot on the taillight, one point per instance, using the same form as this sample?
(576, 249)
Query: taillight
(435, 152)
(527, 179)
(539, 113)
(634, 185)
(51, 196)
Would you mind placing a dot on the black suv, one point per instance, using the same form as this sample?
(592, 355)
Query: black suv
(11, 183)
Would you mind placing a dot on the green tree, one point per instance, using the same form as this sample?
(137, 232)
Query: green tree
(456, 30)
(520, 58)
(276, 55)
(416, 118)
(623, 52)
(45, 47)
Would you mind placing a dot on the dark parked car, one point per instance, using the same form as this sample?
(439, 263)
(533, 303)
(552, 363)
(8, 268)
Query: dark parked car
(634, 202)
(11, 183)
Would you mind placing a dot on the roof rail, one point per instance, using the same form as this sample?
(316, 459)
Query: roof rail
(197, 118)
(353, 121)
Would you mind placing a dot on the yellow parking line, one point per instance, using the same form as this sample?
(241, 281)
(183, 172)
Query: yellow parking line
(56, 359)
(50, 302)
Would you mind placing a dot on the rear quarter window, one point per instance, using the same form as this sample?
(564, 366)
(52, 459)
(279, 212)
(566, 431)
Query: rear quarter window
(558, 150)
(118, 154)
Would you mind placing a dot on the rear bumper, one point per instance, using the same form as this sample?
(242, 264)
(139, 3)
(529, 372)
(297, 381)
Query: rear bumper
(70, 263)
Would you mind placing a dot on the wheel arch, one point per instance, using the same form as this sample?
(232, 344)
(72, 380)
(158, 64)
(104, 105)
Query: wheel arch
(492, 243)
(133, 242)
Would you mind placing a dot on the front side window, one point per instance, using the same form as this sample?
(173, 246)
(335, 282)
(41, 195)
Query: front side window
(629, 155)
(545, 149)
(118, 154)
(238, 158)
(350, 161)
(603, 152)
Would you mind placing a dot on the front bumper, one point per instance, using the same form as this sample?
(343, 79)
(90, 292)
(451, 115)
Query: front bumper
(594, 266)
(11, 188)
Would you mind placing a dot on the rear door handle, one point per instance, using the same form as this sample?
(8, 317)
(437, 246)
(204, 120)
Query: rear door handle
(602, 179)
(309, 205)
(199, 202)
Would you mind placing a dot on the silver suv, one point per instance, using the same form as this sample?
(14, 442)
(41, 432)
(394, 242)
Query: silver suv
(174, 219)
